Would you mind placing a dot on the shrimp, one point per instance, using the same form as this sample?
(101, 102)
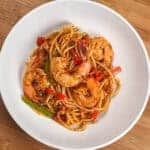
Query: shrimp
(90, 93)
(59, 71)
(101, 50)
(35, 83)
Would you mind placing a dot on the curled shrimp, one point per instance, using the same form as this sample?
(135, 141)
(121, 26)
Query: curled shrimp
(90, 93)
(62, 76)
(34, 84)
(101, 50)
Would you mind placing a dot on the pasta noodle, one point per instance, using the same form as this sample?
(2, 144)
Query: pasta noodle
(72, 75)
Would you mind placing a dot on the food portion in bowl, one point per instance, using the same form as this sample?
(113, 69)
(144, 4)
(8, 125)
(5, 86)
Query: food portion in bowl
(70, 77)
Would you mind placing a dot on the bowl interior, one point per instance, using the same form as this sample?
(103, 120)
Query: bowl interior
(96, 20)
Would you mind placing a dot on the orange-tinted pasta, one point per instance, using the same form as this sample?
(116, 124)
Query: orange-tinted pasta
(71, 74)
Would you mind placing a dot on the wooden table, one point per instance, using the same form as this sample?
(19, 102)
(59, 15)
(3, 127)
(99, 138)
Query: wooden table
(137, 12)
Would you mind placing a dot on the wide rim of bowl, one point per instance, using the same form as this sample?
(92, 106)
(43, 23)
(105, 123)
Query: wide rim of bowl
(117, 137)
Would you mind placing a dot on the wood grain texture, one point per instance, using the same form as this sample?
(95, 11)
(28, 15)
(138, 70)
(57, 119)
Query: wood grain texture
(137, 12)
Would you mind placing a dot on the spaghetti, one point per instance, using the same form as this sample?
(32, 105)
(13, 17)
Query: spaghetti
(71, 75)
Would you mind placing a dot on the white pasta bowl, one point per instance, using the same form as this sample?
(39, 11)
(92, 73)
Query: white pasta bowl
(125, 109)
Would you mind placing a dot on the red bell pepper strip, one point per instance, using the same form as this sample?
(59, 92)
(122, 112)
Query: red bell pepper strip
(116, 69)
(40, 41)
(95, 114)
(50, 91)
(56, 94)
(60, 96)
(100, 77)
(77, 60)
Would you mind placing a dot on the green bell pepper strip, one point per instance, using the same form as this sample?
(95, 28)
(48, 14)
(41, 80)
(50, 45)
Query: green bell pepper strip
(46, 66)
(41, 109)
